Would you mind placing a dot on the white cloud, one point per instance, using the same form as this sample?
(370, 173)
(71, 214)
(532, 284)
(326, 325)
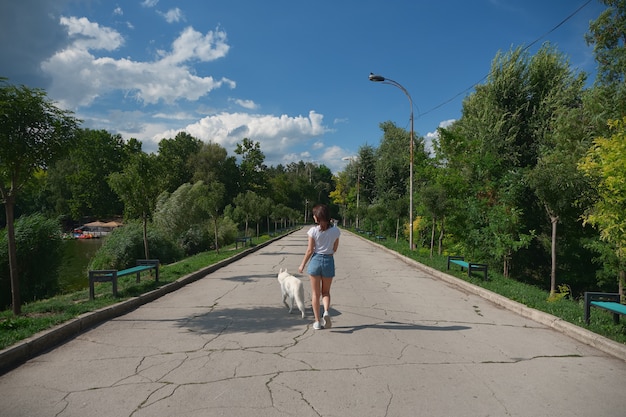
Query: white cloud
(432, 137)
(191, 44)
(80, 77)
(276, 133)
(149, 3)
(89, 35)
(246, 104)
(173, 15)
(118, 11)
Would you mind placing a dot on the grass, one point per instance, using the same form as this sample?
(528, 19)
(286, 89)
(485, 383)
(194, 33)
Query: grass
(44, 314)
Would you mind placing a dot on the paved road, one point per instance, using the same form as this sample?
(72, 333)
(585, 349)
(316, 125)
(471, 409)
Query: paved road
(403, 343)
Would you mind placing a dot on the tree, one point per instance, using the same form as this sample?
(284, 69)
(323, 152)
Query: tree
(138, 187)
(247, 206)
(77, 184)
(607, 34)
(213, 203)
(557, 101)
(174, 155)
(33, 134)
(604, 163)
(252, 168)
(212, 163)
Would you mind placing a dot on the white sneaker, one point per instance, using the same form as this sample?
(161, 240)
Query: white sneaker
(326, 322)
(317, 326)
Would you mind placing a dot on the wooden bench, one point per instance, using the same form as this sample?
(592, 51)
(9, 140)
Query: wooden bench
(470, 266)
(111, 275)
(242, 240)
(606, 301)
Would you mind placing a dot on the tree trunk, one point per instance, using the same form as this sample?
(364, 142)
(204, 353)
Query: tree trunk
(9, 204)
(145, 236)
(554, 219)
(432, 237)
(441, 234)
(397, 229)
(217, 246)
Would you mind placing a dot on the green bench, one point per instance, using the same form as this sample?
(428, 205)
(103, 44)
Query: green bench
(111, 275)
(605, 301)
(470, 266)
(243, 240)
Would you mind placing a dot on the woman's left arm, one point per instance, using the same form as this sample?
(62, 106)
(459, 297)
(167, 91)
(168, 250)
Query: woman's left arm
(307, 254)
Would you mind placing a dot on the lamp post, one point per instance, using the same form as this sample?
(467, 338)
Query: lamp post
(381, 79)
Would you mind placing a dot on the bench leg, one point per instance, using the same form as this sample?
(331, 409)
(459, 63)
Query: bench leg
(92, 290)
(587, 308)
(114, 282)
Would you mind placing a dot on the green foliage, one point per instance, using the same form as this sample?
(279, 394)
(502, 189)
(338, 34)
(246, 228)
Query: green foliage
(77, 184)
(38, 242)
(124, 246)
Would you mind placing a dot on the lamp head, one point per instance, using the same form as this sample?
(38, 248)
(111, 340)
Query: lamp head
(376, 78)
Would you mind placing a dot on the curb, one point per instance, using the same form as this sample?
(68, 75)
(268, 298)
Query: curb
(588, 337)
(26, 349)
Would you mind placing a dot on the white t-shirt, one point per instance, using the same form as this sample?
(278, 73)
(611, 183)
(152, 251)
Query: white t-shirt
(324, 240)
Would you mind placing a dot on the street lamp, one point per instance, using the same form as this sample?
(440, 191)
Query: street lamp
(381, 79)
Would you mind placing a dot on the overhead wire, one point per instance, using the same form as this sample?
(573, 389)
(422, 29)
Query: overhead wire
(523, 49)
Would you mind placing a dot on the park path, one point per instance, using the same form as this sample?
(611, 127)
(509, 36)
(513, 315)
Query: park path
(403, 343)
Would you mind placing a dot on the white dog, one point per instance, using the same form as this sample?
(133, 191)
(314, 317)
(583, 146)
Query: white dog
(292, 289)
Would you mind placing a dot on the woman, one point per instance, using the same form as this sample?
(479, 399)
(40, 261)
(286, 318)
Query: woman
(323, 243)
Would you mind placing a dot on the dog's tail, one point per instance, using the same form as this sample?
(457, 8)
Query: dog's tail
(300, 299)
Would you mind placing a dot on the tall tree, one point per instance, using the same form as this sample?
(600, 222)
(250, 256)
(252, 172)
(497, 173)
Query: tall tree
(138, 187)
(174, 155)
(78, 184)
(213, 203)
(33, 134)
(212, 163)
(607, 34)
(560, 141)
(604, 163)
(252, 167)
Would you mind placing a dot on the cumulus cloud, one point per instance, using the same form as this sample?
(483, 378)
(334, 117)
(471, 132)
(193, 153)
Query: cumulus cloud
(79, 77)
(173, 15)
(246, 104)
(432, 137)
(276, 133)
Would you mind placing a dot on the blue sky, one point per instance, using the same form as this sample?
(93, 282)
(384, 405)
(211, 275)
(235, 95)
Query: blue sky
(290, 74)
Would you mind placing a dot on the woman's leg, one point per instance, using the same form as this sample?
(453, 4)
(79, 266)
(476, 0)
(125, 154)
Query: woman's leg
(316, 288)
(326, 283)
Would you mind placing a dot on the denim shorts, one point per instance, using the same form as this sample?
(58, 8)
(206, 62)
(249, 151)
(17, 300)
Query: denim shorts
(321, 265)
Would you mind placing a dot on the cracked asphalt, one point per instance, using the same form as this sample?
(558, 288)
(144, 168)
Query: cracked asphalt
(404, 342)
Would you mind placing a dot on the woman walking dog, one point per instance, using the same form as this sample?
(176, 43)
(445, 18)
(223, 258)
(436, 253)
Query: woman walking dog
(323, 243)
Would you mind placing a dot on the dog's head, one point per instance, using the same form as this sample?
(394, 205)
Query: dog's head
(282, 274)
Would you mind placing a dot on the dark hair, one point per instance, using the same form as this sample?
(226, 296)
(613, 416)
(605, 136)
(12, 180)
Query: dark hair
(321, 212)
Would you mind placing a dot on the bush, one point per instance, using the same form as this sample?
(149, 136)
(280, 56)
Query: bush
(39, 255)
(124, 246)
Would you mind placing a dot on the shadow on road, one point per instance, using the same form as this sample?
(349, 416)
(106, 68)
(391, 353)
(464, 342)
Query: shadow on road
(246, 320)
(392, 325)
